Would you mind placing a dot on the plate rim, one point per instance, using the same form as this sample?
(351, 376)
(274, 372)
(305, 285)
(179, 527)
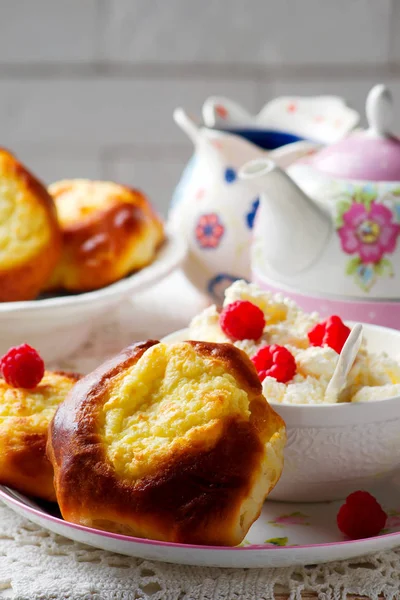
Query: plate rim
(189, 547)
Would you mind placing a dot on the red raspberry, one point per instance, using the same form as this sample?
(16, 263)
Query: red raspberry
(361, 516)
(22, 367)
(332, 332)
(275, 361)
(242, 320)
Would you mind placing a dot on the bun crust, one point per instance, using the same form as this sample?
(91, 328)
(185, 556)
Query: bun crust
(30, 239)
(108, 230)
(26, 415)
(170, 442)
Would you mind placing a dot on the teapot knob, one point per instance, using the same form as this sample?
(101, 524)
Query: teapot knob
(379, 110)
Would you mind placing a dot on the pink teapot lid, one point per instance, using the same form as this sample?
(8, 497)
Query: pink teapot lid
(372, 155)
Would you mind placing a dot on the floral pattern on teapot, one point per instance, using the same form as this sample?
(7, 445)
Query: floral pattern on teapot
(367, 221)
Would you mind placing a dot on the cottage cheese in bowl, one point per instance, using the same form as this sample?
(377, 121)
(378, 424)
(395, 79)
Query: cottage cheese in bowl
(372, 377)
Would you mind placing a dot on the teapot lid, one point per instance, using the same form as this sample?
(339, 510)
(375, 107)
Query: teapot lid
(373, 154)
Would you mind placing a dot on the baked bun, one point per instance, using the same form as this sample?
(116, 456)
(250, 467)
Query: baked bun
(30, 239)
(108, 230)
(173, 442)
(25, 417)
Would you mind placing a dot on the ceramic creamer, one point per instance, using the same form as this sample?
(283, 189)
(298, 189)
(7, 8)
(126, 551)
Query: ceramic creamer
(212, 207)
(283, 120)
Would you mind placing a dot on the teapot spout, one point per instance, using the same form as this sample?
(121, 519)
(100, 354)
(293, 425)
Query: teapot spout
(291, 230)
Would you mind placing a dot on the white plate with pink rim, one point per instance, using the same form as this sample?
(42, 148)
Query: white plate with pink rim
(285, 534)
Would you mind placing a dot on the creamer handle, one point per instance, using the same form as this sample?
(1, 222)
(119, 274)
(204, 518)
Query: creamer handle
(187, 124)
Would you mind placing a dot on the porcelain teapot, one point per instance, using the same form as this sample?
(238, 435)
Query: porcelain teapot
(212, 207)
(328, 228)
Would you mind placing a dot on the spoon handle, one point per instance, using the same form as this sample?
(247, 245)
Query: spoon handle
(345, 361)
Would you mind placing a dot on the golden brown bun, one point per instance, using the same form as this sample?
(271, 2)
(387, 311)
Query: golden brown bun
(108, 230)
(30, 239)
(25, 417)
(170, 442)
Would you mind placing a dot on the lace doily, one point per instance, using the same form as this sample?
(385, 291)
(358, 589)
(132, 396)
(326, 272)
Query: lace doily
(38, 565)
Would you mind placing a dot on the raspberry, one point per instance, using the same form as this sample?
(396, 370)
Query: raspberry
(332, 332)
(361, 516)
(22, 367)
(242, 320)
(275, 361)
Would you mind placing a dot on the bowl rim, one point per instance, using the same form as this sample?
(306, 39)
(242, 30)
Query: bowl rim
(351, 412)
(169, 255)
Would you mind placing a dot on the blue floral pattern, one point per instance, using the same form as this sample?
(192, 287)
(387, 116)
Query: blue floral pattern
(217, 285)
(230, 175)
(251, 215)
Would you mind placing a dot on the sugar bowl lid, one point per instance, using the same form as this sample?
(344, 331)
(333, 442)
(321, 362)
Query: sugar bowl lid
(371, 155)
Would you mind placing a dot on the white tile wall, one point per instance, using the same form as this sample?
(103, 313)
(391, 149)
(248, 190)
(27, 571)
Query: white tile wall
(47, 31)
(87, 87)
(103, 111)
(156, 176)
(66, 163)
(394, 32)
(251, 32)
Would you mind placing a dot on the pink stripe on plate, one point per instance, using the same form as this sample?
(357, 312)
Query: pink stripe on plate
(19, 500)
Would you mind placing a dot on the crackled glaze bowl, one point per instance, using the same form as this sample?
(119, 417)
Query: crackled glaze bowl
(335, 449)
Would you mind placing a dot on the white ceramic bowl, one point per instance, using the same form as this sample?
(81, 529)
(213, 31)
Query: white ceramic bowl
(333, 450)
(57, 326)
